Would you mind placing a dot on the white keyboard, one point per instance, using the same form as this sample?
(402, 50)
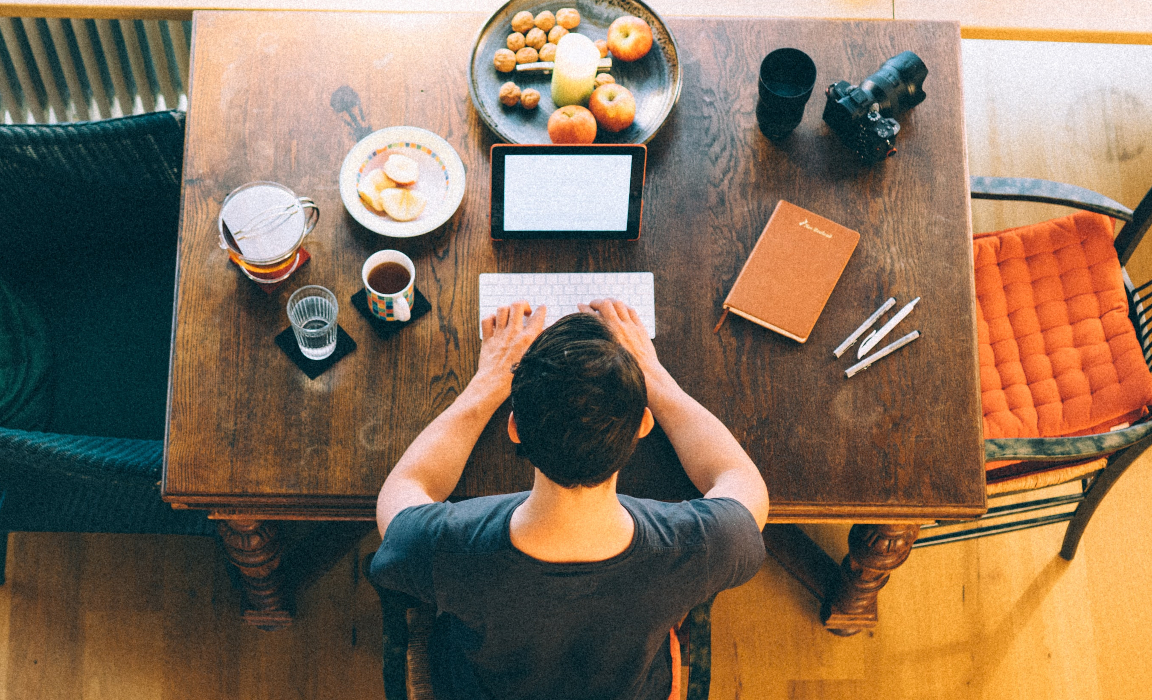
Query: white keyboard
(562, 291)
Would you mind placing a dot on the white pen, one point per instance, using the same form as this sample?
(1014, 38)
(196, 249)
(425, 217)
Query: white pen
(864, 326)
(874, 339)
(867, 362)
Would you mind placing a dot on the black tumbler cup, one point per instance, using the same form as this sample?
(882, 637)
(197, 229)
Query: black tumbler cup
(786, 80)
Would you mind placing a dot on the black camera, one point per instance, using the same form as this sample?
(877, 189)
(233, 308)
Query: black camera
(863, 116)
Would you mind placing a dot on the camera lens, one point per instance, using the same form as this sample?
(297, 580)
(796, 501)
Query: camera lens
(787, 74)
(898, 85)
(775, 125)
(786, 79)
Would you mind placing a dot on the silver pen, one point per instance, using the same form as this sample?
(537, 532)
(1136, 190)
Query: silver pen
(867, 362)
(874, 338)
(864, 326)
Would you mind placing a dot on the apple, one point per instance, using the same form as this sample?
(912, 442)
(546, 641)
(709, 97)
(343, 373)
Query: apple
(572, 124)
(613, 106)
(629, 38)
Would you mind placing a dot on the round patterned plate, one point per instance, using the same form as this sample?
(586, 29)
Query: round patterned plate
(441, 180)
(654, 80)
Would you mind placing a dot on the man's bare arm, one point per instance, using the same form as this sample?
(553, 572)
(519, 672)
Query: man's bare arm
(713, 460)
(431, 467)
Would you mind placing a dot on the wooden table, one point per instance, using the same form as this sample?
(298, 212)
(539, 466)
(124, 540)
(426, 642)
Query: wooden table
(255, 441)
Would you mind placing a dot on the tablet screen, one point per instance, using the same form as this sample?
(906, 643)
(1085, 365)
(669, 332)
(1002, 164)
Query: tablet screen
(565, 191)
(593, 188)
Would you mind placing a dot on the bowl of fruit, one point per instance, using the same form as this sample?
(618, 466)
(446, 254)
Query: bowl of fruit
(637, 84)
(402, 181)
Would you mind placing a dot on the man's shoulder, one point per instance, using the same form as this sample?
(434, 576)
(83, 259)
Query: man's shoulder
(420, 536)
(452, 526)
(697, 522)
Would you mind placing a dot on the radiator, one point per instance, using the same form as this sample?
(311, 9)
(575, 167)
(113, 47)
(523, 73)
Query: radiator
(61, 70)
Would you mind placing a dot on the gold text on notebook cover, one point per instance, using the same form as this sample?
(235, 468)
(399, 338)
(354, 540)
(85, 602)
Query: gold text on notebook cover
(810, 227)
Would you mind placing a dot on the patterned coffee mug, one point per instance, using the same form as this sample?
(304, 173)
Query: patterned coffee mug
(396, 306)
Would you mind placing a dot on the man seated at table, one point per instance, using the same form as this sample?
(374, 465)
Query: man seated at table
(569, 590)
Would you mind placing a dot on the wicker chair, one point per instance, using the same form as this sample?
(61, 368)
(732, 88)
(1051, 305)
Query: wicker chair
(88, 215)
(1096, 460)
(408, 626)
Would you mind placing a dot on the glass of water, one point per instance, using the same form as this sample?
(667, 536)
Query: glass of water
(312, 311)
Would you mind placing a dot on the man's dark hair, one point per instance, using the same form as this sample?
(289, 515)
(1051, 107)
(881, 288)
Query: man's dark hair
(578, 397)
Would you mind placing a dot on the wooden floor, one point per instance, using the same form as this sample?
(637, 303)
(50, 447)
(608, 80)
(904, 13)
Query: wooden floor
(128, 617)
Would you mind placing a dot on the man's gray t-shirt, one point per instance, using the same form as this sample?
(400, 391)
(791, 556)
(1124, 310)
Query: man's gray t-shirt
(511, 626)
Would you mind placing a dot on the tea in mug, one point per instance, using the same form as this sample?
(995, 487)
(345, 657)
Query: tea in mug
(388, 278)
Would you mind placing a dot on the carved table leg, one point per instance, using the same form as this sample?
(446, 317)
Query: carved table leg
(873, 552)
(254, 548)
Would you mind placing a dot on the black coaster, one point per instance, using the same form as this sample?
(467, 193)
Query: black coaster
(314, 368)
(387, 329)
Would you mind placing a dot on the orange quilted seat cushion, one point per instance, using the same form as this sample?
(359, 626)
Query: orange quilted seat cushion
(1058, 355)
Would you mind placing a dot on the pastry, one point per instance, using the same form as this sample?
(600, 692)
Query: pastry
(509, 94)
(504, 60)
(568, 17)
(536, 38)
(522, 21)
(545, 21)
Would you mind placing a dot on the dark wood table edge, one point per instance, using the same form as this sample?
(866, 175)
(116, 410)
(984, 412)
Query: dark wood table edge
(844, 513)
(205, 501)
(364, 508)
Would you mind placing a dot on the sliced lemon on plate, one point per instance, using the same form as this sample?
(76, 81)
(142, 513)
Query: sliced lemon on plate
(402, 204)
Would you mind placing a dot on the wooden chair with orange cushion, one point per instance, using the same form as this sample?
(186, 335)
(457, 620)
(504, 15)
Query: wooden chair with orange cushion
(1064, 359)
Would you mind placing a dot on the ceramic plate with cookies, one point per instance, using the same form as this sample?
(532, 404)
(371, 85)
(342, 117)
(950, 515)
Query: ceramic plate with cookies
(654, 80)
(402, 181)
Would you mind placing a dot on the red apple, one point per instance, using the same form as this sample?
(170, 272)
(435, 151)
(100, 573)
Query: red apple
(613, 106)
(629, 38)
(572, 124)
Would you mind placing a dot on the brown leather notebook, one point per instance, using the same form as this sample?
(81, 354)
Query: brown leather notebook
(791, 272)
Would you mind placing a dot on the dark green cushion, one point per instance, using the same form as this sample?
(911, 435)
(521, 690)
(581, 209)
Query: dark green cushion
(25, 365)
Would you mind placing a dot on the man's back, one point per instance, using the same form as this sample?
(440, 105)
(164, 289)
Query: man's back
(583, 392)
(531, 629)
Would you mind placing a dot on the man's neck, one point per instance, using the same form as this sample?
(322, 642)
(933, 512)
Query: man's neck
(556, 524)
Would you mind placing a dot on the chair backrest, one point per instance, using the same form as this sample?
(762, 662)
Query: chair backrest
(408, 626)
(1022, 189)
(1130, 235)
(1128, 238)
(69, 188)
(129, 152)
